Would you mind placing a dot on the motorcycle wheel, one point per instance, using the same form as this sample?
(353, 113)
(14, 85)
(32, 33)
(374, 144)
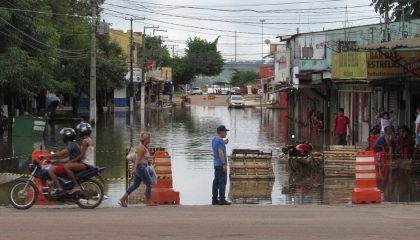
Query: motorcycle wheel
(91, 195)
(21, 198)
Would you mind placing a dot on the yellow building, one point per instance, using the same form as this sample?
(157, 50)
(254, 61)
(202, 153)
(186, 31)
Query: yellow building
(122, 38)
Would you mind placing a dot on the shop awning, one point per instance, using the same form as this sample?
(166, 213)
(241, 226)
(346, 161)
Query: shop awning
(403, 43)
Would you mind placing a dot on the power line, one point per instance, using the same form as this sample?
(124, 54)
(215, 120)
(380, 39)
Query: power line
(239, 22)
(237, 5)
(188, 26)
(41, 12)
(245, 10)
(80, 51)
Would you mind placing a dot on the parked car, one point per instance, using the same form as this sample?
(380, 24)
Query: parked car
(236, 101)
(197, 91)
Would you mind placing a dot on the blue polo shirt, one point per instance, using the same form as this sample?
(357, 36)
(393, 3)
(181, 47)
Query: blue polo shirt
(216, 144)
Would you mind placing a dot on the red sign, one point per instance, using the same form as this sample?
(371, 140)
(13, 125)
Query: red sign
(149, 65)
(266, 71)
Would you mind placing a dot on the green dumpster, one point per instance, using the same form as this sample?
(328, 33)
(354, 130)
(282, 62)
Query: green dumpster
(27, 126)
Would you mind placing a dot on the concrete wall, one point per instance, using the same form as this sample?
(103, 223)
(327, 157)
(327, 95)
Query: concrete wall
(120, 97)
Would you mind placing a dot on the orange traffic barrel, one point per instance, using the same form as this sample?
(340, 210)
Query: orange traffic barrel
(163, 192)
(365, 190)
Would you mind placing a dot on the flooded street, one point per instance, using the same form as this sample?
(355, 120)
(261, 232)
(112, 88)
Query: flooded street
(187, 134)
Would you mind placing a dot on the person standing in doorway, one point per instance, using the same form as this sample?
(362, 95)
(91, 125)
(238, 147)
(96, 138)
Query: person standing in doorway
(220, 166)
(384, 119)
(418, 127)
(341, 123)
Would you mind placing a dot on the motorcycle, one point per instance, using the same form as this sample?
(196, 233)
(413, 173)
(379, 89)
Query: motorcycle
(301, 156)
(24, 192)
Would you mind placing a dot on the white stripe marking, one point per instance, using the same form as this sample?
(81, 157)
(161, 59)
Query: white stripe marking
(365, 159)
(366, 175)
(365, 167)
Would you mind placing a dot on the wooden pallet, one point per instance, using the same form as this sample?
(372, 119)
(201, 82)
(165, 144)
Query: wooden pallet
(340, 161)
(250, 164)
(337, 190)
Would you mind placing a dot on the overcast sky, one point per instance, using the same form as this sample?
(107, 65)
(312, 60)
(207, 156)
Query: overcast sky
(208, 19)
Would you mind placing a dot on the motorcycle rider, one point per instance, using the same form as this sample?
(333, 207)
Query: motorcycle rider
(72, 150)
(86, 157)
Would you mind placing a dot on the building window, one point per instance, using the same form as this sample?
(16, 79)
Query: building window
(307, 52)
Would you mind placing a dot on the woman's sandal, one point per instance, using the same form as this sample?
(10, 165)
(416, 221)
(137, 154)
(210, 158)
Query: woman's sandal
(122, 204)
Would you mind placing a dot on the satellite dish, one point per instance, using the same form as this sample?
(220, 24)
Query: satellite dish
(267, 41)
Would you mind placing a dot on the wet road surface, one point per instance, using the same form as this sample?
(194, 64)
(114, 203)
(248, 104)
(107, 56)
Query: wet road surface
(187, 134)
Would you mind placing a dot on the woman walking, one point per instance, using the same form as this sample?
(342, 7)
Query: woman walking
(140, 171)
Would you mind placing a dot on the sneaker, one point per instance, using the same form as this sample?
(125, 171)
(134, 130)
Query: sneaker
(215, 202)
(224, 202)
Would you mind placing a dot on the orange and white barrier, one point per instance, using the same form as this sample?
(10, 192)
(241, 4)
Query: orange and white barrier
(366, 190)
(163, 192)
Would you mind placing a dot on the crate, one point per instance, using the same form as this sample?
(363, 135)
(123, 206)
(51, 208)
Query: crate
(250, 190)
(251, 164)
(337, 190)
(340, 161)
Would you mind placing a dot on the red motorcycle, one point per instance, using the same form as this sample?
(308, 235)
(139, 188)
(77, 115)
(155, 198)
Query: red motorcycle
(26, 190)
(301, 157)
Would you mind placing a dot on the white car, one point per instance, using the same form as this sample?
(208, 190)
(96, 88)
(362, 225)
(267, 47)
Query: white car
(197, 91)
(236, 101)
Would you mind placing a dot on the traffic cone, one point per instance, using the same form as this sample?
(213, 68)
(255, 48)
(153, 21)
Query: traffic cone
(163, 192)
(365, 190)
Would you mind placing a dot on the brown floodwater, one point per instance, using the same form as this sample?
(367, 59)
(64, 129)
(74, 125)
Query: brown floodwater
(187, 133)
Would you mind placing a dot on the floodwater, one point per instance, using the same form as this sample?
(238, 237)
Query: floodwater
(187, 133)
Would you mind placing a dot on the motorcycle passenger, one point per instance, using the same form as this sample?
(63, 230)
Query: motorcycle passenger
(86, 157)
(72, 150)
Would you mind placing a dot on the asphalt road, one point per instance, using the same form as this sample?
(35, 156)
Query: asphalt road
(386, 221)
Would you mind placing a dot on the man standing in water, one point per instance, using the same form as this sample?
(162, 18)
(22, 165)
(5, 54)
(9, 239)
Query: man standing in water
(220, 166)
(341, 123)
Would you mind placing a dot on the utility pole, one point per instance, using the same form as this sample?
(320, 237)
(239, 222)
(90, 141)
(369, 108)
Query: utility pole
(132, 62)
(143, 72)
(235, 48)
(173, 54)
(403, 35)
(92, 97)
(131, 67)
(386, 31)
(262, 21)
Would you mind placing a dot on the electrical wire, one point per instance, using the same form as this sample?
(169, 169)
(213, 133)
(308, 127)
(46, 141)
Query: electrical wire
(243, 22)
(79, 51)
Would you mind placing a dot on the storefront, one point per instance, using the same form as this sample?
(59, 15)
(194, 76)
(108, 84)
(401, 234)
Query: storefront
(368, 82)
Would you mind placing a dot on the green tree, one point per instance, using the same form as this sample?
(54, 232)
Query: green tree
(201, 58)
(397, 7)
(47, 48)
(243, 78)
(181, 71)
(156, 51)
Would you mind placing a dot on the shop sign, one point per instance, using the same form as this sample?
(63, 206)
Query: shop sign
(349, 65)
(381, 65)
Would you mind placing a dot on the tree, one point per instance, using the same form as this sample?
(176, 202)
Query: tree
(181, 71)
(48, 49)
(397, 7)
(157, 52)
(201, 58)
(243, 78)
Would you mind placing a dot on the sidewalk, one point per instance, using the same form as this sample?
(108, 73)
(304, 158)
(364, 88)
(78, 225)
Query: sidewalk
(382, 221)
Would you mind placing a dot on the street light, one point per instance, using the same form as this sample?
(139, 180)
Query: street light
(262, 21)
